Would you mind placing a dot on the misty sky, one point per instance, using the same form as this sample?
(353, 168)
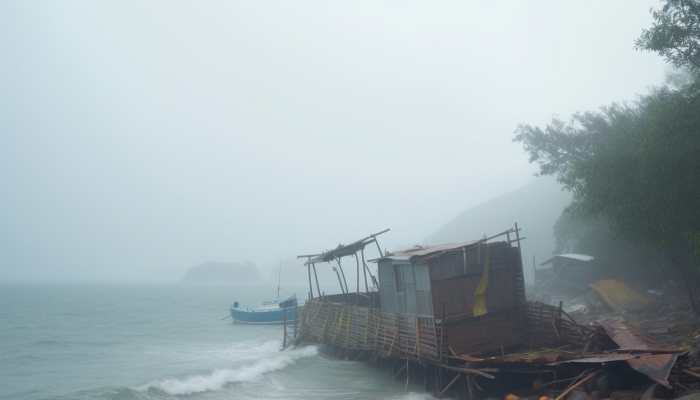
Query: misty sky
(138, 138)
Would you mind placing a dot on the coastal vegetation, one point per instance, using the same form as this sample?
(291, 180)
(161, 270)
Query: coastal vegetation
(633, 170)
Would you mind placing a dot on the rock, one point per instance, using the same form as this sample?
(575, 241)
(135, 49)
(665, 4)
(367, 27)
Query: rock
(603, 384)
(590, 386)
(577, 395)
(595, 395)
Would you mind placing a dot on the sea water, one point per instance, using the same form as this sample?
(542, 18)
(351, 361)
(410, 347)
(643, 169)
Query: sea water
(165, 341)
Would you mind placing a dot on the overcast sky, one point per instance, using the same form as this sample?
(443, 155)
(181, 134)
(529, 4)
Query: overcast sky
(140, 137)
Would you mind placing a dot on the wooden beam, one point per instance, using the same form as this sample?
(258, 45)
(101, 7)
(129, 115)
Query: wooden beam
(450, 384)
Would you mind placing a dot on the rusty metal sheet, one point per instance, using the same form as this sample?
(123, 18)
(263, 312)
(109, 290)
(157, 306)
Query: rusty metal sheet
(425, 250)
(630, 337)
(534, 357)
(655, 366)
(601, 358)
(579, 257)
(619, 296)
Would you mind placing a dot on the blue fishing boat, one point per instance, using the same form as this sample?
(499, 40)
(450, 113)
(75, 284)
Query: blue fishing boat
(271, 312)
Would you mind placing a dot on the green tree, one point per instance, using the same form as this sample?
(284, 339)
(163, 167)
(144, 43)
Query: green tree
(675, 34)
(637, 166)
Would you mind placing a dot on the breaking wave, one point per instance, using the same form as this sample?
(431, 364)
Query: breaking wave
(217, 379)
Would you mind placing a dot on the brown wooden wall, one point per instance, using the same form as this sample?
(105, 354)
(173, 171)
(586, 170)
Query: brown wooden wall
(530, 325)
(488, 333)
(451, 285)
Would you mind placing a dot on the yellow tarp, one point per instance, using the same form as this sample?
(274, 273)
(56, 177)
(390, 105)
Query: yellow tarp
(619, 296)
(479, 295)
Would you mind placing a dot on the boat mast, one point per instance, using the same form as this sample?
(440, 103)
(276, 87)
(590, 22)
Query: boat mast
(279, 278)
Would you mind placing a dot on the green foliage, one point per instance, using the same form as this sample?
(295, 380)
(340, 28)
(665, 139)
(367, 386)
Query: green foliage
(675, 34)
(637, 166)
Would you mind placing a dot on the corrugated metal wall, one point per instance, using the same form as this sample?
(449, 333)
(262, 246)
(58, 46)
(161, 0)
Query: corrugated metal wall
(415, 300)
(424, 301)
(387, 287)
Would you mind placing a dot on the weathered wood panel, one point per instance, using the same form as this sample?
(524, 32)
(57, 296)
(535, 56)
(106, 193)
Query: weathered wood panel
(367, 328)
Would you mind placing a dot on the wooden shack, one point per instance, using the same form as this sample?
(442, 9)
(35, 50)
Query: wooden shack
(432, 302)
(443, 281)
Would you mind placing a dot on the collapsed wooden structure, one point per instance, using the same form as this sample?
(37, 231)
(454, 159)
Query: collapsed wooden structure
(464, 297)
(457, 310)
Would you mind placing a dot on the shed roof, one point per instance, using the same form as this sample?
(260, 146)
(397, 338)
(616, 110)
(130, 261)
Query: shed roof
(419, 251)
(579, 257)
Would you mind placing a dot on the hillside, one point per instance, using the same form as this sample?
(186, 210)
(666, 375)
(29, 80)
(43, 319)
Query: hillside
(228, 272)
(535, 207)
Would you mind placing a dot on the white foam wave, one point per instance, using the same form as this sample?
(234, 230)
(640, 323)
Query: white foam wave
(243, 351)
(218, 378)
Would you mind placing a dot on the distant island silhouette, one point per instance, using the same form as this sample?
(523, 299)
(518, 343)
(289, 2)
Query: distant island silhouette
(229, 272)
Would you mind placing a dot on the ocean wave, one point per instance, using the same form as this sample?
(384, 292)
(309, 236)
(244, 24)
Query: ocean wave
(217, 379)
(244, 351)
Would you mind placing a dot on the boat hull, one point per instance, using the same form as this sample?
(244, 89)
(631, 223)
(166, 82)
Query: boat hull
(248, 316)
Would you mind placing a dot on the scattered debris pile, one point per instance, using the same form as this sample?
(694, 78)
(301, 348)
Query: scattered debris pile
(662, 312)
(583, 362)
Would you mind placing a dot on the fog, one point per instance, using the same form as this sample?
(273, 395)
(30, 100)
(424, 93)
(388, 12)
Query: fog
(138, 139)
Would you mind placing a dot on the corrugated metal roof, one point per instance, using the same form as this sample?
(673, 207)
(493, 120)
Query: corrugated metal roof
(656, 366)
(579, 257)
(619, 296)
(630, 337)
(419, 251)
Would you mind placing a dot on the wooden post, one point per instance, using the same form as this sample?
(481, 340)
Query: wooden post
(448, 386)
(408, 373)
(296, 311)
(464, 255)
(418, 337)
(342, 272)
(581, 382)
(534, 268)
(357, 261)
(442, 327)
(366, 325)
(339, 281)
(520, 252)
(378, 248)
(364, 269)
(470, 385)
(392, 342)
(284, 322)
(316, 276)
(517, 238)
(311, 288)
